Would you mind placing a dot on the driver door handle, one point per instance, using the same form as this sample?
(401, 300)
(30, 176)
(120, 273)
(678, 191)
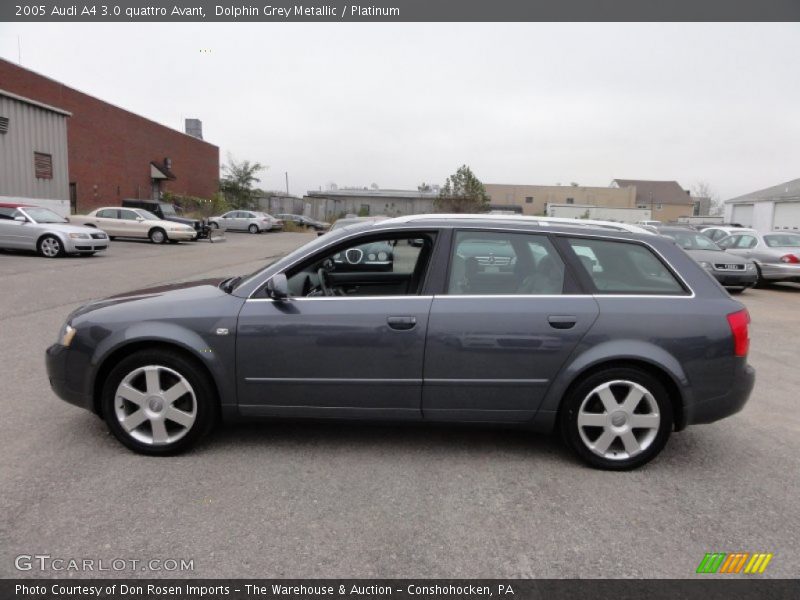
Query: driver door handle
(402, 323)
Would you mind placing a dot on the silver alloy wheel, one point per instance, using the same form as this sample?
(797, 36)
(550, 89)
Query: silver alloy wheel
(618, 430)
(158, 236)
(150, 415)
(51, 247)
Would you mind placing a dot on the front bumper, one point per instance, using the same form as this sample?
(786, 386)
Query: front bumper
(714, 409)
(736, 278)
(80, 246)
(780, 271)
(183, 236)
(57, 363)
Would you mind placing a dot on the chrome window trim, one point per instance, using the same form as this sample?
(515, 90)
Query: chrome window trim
(379, 227)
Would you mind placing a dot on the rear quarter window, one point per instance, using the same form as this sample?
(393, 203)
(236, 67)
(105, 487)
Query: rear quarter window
(624, 268)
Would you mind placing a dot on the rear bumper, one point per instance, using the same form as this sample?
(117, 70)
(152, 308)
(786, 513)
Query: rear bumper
(714, 409)
(56, 361)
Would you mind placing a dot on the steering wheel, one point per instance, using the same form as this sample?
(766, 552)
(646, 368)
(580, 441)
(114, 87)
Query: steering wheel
(323, 282)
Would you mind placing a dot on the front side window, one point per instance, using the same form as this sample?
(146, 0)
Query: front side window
(624, 268)
(504, 264)
(378, 266)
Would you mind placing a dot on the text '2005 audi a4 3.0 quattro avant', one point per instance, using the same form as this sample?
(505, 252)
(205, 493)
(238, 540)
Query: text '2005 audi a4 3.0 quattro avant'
(614, 339)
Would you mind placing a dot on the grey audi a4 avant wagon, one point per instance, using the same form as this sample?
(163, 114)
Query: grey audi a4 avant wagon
(614, 339)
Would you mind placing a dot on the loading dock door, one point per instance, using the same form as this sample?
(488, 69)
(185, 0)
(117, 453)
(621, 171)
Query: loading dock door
(742, 214)
(786, 216)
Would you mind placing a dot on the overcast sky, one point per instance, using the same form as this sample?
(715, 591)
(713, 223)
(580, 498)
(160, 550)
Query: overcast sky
(398, 104)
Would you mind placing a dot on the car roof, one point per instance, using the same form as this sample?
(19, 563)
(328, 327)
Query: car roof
(521, 220)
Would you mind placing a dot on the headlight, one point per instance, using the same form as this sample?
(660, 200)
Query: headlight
(80, 236)
(382, 256)
(67, 333)
(705, 265)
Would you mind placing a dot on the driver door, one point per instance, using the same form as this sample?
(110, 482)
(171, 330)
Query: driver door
(357, 354)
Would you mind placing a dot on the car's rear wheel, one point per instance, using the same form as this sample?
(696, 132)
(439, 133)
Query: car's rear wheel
(158, 402)
(157, 235)
(617, 419)
(254, 229)
(50, 246)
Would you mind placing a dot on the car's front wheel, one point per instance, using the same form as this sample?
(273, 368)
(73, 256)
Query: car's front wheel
(617, 419)
(158, 402)
(157, 235)
(50, 247)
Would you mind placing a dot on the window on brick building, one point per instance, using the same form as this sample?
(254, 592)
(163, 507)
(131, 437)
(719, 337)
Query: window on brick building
(43, 165)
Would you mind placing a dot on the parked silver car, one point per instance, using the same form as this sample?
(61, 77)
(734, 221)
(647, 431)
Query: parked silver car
(25, 227)
(776, 254)
(246, 220)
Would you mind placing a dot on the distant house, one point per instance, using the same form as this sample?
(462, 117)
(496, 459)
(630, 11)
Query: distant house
(667, 200)
(776, 207)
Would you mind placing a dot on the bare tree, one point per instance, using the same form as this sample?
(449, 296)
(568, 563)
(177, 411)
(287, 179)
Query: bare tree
(702, 189)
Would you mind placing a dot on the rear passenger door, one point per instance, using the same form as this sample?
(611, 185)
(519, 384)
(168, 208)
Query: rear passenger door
(508, 319)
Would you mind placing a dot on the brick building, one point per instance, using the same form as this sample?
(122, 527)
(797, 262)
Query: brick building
(115, 154)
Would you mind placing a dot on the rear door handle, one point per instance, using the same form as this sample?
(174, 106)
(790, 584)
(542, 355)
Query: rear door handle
(562, 321)
(402, 323)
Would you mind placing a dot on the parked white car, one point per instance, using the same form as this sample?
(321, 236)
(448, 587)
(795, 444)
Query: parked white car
(246, 220)
(135, 223)
(26, 227)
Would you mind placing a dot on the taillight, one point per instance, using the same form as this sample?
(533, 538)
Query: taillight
(790, 258)
(739, 323)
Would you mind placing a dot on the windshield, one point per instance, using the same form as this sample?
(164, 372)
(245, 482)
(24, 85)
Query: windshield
(44, 215)
(782, 240)
(168, 210)
(691, 241)
(146, 214)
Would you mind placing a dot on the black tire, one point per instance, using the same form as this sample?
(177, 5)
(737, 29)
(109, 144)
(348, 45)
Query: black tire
(253, 228)
(205, 401)
(760, 282)
(49, 246)
(158, 235)
(574, 436)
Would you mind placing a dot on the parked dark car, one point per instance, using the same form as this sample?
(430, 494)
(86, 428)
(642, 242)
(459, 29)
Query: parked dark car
(304, 221)
(733, 272)
(615, 352)
(167, 212)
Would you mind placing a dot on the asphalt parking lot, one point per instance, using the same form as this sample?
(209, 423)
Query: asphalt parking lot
(341, 500)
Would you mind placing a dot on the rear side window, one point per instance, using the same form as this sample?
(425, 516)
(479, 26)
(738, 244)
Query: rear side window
(512, 264)
(624, 268)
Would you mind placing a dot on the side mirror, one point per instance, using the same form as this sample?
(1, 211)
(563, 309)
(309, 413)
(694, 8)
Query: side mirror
(278, 287)
(21, 219)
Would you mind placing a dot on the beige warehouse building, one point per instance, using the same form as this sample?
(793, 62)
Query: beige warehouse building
(534, 199)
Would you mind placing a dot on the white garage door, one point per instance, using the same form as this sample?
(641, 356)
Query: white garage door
(786, 216)
(742, 214)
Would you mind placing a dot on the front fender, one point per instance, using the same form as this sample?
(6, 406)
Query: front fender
(211, 351)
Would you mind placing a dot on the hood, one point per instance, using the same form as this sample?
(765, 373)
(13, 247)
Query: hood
(174, 292)
(184, 220)
(68, 228)
(715, 256)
